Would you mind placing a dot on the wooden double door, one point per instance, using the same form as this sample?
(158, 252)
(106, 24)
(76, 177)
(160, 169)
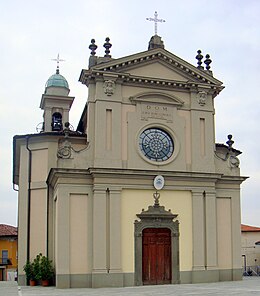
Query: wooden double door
(156, 253)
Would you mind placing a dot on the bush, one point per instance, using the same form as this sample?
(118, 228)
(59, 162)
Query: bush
(28, 269)
(36, 266)
(46, 269)
(40, 269)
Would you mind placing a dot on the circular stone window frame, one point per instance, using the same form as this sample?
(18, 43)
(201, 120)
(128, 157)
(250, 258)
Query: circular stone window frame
(176, 143)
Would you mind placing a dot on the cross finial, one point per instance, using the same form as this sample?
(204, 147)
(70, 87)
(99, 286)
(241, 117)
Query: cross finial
(58, 60)
(155, 20)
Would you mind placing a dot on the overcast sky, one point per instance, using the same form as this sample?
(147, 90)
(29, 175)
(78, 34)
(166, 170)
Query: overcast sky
(34, 32)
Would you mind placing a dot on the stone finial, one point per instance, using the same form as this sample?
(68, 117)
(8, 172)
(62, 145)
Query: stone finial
(107, 46)
(207, 62)
(230, 142)
(199, 57)
(93, 47)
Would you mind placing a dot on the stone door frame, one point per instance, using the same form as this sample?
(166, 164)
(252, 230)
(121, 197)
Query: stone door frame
(156, 217)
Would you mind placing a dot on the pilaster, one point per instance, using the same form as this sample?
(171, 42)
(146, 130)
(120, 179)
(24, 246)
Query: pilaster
(211, 230)
(62, 253)
(99, 231)
(198, 222)
(115, 231)
(236, 234)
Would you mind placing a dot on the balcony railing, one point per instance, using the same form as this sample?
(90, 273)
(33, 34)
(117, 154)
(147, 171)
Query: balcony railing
(5, 261)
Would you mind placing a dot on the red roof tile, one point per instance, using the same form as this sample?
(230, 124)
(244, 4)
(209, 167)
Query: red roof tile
(7, 230)
(248, 228)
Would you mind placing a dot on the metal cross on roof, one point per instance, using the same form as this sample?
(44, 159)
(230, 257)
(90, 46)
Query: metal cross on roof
(58, 60)
(155, 20)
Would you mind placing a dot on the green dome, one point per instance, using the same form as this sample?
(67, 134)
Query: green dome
(57, 80)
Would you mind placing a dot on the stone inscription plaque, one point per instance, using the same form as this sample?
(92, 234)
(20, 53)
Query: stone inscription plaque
(156, 112)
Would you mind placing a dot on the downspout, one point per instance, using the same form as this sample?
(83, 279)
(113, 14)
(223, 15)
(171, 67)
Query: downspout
(29, 197)
(47, 230)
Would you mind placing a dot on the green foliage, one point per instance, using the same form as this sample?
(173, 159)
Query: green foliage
(46, 269)
(28, 269)
(36, 266)
(39, 269)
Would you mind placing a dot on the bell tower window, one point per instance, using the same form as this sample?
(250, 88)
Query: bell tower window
(56, 122)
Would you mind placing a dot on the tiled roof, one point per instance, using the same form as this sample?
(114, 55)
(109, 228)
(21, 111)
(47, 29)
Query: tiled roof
(248, 228)
(7, 230)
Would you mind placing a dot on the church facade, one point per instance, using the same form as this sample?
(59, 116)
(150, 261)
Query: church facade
(139, 193)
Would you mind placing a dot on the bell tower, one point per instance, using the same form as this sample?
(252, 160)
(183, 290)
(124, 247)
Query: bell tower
(56, 102)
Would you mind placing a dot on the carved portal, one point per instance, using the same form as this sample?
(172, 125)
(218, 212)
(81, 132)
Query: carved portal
(157, 217)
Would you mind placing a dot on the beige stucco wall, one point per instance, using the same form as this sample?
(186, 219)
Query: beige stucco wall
(39, 165)
(38, 222)
(133, 201)
(78, 234)
(125, 110)
(72, 228)
(187, 130)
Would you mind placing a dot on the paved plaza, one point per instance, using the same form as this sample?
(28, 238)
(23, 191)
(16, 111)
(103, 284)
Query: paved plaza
(249, 286)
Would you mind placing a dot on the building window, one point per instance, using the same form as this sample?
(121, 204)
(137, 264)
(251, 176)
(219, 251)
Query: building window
(4, 256)
(56, 121)
(156, 144)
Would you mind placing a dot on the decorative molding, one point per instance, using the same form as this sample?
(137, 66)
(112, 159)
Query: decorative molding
(202, 97)
(109, 87)
(90, 76)
(161, 55)
(64, 151)
(157, 97)
(234, 161)
(157, 217)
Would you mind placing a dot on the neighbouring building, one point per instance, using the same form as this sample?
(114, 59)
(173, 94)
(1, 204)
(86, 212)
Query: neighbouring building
(139, 193)
(251, 248)
(8, 252)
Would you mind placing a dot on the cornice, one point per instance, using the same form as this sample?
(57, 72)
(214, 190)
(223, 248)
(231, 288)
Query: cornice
(60, 175)
(90, 76)
(175, 63)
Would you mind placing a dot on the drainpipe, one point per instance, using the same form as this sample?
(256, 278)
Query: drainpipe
(29, 197)
(47, 230)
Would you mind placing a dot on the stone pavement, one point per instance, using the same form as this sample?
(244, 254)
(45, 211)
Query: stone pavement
(249, 286)
(8, 289)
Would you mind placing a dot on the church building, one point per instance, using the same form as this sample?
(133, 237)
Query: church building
(139, 193)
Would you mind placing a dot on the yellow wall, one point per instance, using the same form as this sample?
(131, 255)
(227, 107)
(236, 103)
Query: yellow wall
(11, 246)
(133, 201)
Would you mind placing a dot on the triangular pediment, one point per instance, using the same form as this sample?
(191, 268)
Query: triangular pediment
(157, 70)
(157, 63)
